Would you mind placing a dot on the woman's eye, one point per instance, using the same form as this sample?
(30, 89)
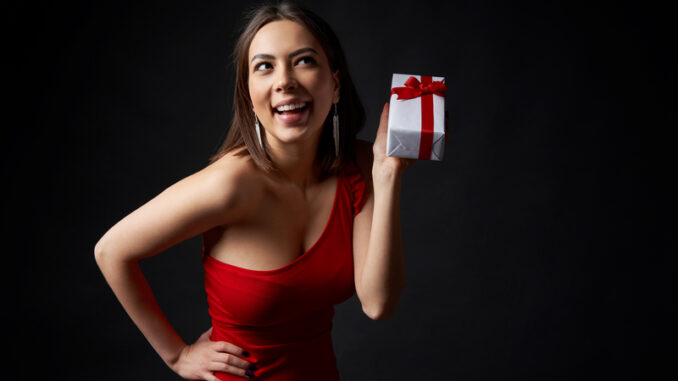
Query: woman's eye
(306, 60)
(262, 66)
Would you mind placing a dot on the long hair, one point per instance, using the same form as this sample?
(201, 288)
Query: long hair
(350, 109)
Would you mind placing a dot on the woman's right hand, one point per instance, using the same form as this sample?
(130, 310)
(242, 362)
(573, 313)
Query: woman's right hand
(200, 360)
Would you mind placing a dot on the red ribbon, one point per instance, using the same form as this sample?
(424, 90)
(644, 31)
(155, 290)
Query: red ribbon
(413, 89)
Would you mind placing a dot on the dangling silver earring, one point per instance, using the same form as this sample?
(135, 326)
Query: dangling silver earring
(335, 122)
(258, 130)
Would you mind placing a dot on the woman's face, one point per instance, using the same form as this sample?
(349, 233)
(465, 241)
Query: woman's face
(290, 82)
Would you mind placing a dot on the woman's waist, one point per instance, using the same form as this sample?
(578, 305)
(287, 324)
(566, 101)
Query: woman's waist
(307, 360)
(273, 349)
(282, 334)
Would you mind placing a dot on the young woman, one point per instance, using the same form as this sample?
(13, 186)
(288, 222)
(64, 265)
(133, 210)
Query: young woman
(295, 215)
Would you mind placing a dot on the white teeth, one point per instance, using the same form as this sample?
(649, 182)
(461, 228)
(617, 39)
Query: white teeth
(290, 107)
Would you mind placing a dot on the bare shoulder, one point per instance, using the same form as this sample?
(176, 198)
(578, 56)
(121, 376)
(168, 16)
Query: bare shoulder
(222, 193)
(232, 179)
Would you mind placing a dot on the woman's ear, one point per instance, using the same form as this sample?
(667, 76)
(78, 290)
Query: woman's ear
(337, 86)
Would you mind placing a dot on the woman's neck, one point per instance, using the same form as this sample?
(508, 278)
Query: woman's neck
(295, 161)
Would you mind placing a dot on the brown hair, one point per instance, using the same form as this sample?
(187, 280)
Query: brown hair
(350, 109)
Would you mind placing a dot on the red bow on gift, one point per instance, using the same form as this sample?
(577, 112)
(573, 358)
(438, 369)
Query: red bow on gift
(413, 89)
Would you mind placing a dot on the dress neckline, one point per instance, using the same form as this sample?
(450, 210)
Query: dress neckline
(298, 259)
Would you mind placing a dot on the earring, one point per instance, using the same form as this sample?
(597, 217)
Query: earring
(335, 122)
(258, 130)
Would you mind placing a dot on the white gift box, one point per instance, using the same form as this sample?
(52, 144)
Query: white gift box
(416, 126)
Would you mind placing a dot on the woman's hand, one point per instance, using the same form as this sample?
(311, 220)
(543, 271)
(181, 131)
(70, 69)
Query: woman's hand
(200, 360)
(386, 167)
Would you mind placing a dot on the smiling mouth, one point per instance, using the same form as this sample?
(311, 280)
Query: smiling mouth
(294, 108)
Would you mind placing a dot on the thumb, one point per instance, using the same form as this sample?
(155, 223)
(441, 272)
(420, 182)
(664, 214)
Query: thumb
(384, 114)
(383, 121)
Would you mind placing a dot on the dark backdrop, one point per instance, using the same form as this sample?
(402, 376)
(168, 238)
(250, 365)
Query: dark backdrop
(535, 250)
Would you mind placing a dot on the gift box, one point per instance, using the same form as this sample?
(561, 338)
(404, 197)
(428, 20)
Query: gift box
(416, 119)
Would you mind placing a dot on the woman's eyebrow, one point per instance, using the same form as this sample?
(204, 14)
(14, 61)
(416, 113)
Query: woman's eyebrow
(301, 51)
(294, 53)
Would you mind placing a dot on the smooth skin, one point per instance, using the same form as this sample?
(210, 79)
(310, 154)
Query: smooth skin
(259, 221)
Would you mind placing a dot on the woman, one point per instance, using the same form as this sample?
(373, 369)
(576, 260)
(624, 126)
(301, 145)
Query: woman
(295, 215)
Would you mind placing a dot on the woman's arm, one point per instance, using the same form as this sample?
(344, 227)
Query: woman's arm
(379, 263)
(217, 195)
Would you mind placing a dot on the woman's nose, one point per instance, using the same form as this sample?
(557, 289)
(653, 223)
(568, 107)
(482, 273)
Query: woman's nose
(286, 80)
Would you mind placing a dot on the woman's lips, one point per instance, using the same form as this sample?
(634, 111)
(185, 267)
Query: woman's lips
(298, 116)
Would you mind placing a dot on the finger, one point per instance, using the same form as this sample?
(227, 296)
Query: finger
(383, 120)
(226, 347)
(227, 358)
(230, 369)
(212, 377)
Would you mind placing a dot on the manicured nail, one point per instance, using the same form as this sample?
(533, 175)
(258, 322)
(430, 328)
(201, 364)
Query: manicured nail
(249, 374)
(245, 353)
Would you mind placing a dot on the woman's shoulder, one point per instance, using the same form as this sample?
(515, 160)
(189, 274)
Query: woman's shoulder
(232, 178)
(232, 166)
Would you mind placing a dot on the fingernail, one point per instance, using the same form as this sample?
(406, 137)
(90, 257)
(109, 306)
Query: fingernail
(245, 353)
(253, 367)
(249, 374)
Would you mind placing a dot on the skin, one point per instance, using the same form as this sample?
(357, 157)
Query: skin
(305, 76)
(259, 221)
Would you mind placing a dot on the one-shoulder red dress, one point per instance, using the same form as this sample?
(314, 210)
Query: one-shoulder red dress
(283, 317)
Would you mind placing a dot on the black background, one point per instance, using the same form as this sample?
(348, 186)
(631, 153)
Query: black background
(538, 249)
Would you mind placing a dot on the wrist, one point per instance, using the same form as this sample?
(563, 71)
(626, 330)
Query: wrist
(173, 360)
(386, 179)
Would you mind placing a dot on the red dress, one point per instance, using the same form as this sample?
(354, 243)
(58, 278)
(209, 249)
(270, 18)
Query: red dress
(283, 317)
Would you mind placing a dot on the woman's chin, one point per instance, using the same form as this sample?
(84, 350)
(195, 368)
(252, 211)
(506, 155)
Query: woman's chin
(300, 131)
(301, 134)
(298, 135)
